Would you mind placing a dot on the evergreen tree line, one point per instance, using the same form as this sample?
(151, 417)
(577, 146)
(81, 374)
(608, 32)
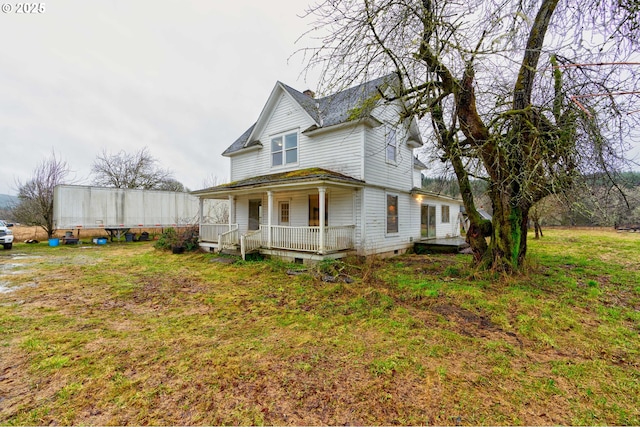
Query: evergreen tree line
(594, 201)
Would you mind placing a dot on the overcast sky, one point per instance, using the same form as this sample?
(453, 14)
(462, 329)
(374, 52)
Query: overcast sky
(183, 78)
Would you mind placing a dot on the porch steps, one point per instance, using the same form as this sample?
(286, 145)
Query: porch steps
(231, 250)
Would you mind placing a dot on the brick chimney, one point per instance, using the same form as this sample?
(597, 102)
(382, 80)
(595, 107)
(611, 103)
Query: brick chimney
(310, 93)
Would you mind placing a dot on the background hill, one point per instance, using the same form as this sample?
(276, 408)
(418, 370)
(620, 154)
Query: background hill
(7, 201)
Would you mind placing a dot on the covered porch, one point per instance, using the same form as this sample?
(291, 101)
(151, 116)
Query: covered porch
(308, 214)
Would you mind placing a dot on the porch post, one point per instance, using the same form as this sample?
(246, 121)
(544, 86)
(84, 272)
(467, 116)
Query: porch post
(269, 211)
(232, 210)
(321, 194)
(200, 216)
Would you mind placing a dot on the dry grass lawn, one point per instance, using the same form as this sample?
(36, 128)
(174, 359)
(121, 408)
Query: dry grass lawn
(125, 334)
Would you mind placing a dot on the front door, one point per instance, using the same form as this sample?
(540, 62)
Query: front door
(283, 213)
(255, 214)
(428, 221)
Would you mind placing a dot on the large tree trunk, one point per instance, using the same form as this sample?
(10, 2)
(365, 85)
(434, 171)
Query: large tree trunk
(510, 196)
(506, 158)
(508, 246)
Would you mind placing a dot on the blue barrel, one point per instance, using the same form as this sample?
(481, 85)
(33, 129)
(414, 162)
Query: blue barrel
(54, 242)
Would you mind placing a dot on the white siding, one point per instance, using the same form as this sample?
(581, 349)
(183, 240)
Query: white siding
(242, 210)
(338, 150)
(376, 239)
(341, 207)
(451, 228)
(417, 178)
(377, 171)
(443, 229)
(358, 151)
(242, 165)
(286, 116)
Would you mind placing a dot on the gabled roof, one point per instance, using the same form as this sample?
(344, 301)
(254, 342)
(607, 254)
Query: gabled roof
(348, 105)
(241, 142)
(300, 176)
(353, 103)
(418, 164)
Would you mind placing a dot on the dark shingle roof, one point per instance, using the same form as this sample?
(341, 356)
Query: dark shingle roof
(241, 141)
(309, 104)
(418, 164)
(350, 104)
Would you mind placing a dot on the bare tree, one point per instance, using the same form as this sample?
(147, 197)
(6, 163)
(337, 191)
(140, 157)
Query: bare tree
(130, 170)
(217, 212)
(212, 180)
(35, 206)
(547, 209)
(527, 95)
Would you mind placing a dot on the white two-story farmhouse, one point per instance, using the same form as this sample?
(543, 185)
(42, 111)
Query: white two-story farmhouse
(322, 178)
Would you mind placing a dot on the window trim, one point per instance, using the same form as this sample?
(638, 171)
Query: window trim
(282, 210)
(445, 219)
(284, 150)
(391, 140)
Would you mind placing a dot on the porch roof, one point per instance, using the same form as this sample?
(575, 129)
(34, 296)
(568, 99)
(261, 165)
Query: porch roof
(429, 194)
(295, 178)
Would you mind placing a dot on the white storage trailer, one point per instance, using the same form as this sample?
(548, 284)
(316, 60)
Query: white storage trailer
(116, 210)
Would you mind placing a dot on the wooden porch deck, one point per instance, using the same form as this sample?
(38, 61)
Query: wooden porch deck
(447, 245)
(278, 238)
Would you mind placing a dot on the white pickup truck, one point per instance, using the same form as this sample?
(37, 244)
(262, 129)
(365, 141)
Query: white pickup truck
(6, 235)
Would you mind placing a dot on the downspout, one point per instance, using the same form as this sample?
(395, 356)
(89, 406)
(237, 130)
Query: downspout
(363, 211)
(269, 211)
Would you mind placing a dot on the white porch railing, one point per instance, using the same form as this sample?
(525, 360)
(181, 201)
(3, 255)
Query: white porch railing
(339, 238)
(307, 239)
(303, 239)
(229, 239)
(251, 241)
(211, 232)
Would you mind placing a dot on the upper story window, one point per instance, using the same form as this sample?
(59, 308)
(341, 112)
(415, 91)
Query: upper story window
(284, 149)
(392, 144)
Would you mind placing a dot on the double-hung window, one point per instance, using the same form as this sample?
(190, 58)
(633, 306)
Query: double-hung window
(392, 145)
(445, 214)
(392, 213)
(284, 149)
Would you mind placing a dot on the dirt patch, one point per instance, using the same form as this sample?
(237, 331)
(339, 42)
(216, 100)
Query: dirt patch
(14, 382)
(473, 324)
